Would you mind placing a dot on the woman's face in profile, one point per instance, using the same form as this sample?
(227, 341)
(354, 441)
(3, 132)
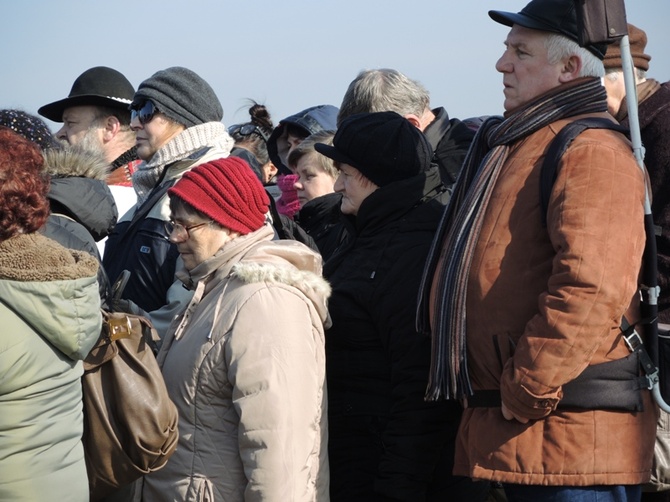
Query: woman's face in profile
(354, 187)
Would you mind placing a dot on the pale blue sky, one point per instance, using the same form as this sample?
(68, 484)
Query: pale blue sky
(288, 54)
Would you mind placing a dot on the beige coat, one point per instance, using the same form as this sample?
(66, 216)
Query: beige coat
(245, 366)
(558, 294)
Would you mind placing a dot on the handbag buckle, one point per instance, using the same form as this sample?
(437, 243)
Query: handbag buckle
(119, 327)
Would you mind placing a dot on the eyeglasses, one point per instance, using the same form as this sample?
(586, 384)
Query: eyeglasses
(180, 230)
(247, 130)
(143, 112)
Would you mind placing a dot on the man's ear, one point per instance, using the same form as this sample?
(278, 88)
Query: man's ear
(571, 69)
(414, 120)
(111, 128)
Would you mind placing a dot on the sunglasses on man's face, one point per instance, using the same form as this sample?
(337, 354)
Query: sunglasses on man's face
(143, 112)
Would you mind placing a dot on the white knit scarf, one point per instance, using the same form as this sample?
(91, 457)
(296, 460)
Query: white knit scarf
(185, 144)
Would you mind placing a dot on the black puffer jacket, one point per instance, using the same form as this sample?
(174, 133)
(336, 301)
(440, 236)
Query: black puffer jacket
(385, 440)
(83, 210)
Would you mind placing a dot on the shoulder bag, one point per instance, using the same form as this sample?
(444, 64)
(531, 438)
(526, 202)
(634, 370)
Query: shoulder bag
(130, 423)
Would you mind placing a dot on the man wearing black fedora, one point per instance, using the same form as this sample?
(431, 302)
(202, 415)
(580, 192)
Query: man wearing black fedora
(525, 302)
(95, 117)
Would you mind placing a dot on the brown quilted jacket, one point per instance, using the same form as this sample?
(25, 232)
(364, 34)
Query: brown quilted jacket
(545, 303)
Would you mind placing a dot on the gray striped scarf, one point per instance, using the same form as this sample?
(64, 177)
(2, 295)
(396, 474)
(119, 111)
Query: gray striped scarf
(449, 260)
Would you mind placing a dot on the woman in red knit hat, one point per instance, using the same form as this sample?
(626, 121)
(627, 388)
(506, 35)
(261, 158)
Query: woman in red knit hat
(244, 363)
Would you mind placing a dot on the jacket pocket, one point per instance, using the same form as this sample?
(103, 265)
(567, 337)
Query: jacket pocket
(200, 490)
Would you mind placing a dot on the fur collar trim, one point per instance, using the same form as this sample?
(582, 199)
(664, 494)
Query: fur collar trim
(253, 272)
(35, 258)
(73, 161)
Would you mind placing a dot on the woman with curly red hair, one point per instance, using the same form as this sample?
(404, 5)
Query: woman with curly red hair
(50, 317)
(23, 204)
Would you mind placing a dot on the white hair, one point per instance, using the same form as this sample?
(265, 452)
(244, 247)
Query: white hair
(560, 47)
(613, 74)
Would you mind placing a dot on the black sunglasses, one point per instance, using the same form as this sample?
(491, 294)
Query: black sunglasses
(144, 112)
(247, 130)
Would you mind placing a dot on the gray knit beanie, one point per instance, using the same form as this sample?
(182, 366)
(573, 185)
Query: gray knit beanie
(181, 95)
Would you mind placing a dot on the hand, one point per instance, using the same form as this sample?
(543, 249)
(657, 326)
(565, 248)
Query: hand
(127, 306)
(508, 415)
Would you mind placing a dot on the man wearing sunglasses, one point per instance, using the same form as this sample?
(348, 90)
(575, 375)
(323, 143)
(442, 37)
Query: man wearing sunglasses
(176, 117)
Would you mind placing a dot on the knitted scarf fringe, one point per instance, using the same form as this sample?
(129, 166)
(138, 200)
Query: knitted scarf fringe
(450, 258)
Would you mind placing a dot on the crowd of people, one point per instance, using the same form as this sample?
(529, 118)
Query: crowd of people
(362, 302)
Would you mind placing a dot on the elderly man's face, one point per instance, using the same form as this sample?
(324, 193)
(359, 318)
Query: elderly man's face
(526, 70)
(81, 127)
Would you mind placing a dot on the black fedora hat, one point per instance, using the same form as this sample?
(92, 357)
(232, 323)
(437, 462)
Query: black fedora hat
(557, 16)
(98, 86)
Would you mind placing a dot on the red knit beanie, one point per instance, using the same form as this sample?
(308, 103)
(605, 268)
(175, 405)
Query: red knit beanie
(226, 190)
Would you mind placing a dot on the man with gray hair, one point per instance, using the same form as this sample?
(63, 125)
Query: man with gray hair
(96, 118)
(386, 89)
(525, 307)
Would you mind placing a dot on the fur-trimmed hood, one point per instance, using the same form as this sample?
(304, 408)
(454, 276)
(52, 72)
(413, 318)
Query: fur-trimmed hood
(313, 285)
(255, 258)
(75, 161)
(54, 289)
(78, 189)
(250, 340)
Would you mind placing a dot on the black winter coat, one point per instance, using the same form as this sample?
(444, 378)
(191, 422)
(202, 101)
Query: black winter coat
(654, 115)
(322, 219)
(82, 206)
(450, 140)
(385, 440)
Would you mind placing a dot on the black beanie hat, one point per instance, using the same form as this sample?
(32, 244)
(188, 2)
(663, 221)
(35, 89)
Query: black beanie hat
(384, 146)
(181, 95)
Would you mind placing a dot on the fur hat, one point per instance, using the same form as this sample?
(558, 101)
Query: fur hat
(556, 16)
(98, 86)
(30, 127)
(227, 191)
(638, 41)
(384, 146)
(181, 95)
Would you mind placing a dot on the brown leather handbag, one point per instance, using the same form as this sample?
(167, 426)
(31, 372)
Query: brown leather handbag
(130, 423)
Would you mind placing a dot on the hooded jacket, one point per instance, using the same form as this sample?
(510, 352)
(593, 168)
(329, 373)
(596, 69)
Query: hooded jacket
(79, 194)
(83, 210)
(50, 315)
(314, 119)
(245, 366)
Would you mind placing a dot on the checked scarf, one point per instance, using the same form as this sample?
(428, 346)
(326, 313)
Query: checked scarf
(449, 260)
